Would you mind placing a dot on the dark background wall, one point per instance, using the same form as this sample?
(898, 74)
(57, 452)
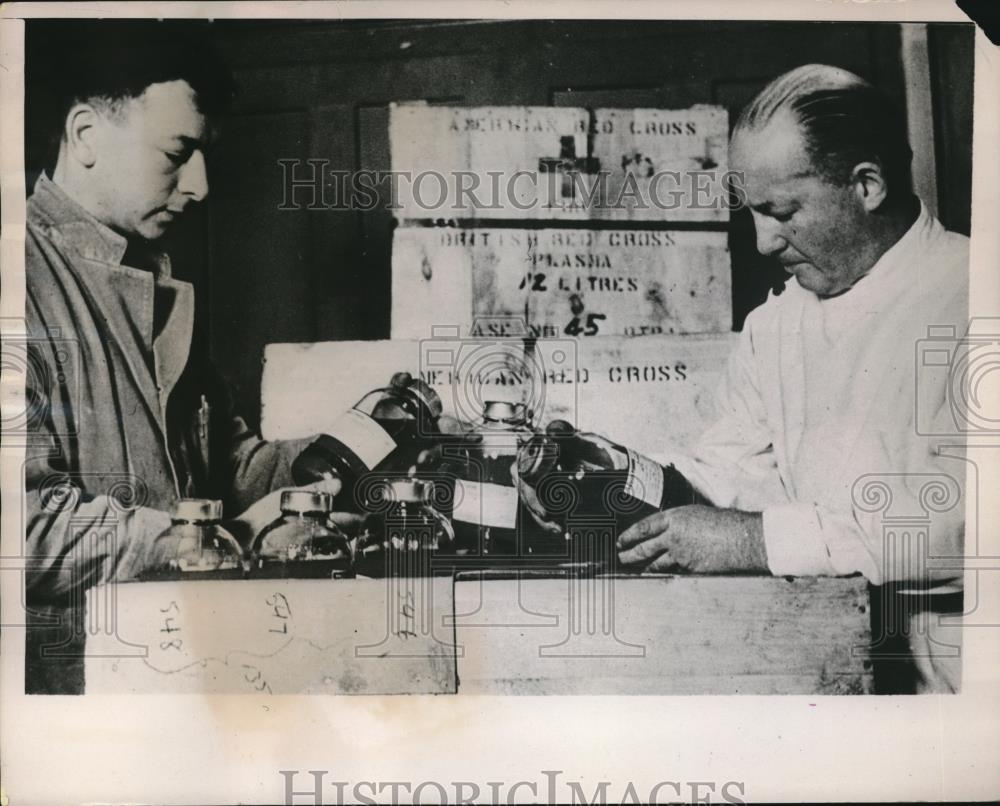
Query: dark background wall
(321, 90)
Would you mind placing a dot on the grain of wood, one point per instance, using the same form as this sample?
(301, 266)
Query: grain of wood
(533, 635)
(673, 635)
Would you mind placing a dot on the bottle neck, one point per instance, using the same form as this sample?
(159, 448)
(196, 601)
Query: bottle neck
(308, 515)
(395, 403)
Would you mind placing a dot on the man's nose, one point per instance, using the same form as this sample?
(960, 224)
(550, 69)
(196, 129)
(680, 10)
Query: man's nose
(769, 240)
(193, 180)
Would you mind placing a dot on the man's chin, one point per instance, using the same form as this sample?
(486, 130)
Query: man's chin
(809, 278)
(153, 230)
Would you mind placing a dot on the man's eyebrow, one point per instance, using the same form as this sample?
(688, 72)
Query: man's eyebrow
(189, 142)
(806, 174)
(768, 207)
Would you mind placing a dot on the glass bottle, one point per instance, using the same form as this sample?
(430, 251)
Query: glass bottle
(195, 546)
(302, 542)
(486, 510)
(384, 431)
(583, 479)
(403, 531)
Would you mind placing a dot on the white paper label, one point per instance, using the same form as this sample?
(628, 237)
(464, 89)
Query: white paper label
(619, 460)
(485, 504)
(364, 436)
(645, 479)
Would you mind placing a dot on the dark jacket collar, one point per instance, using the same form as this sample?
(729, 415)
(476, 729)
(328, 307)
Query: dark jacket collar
(51, 207)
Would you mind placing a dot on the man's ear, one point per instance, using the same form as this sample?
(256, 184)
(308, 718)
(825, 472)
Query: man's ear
(869, 184)
(81, 132)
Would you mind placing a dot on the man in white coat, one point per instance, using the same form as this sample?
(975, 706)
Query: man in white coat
(821, 416)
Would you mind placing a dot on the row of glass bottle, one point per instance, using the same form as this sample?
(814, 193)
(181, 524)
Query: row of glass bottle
(303, 542)
(437, 501)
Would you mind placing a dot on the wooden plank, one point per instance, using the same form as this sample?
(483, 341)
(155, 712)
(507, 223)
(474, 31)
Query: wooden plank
(663, 635)
(530, 634)
(562, 281)
(298, 636)
(665, 382)
(518, 162)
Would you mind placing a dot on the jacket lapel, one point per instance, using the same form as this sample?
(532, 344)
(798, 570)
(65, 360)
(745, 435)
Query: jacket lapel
(172, 345)
(792, 384)
(123, 299)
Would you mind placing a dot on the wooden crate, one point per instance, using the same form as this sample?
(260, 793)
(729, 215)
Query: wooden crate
(278, 636)
(665, 383)
(532, 633)
(563, 283)
(665, 635)
(616, 154)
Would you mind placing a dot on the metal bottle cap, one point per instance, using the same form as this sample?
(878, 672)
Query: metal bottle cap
(409, 491)
(400, 379)
(404, 383)
(197, 509)
(302, 501)
(560, 428)
(537, 456)
(502, 411)
(427, 396)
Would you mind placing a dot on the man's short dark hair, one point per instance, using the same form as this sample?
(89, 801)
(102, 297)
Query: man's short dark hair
(844, 120)
(110, 61)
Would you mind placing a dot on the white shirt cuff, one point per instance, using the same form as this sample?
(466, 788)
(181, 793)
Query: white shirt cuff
(793, 538)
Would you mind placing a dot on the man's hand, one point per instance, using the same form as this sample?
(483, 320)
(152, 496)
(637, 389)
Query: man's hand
(530, 500)
(452, 425)
(258, 515)
(698, 539)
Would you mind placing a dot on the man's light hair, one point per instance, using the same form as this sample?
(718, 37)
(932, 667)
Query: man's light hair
(844, 120)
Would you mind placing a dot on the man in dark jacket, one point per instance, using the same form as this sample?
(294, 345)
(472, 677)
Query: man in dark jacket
(127, 412)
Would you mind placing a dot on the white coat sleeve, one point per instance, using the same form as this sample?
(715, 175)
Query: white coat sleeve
(733, 463)
(905, 524)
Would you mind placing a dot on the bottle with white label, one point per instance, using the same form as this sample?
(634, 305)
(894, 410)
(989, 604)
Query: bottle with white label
(195, 546)
(581, 480)
(485, 509)
(384, 431)
(402, 533)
